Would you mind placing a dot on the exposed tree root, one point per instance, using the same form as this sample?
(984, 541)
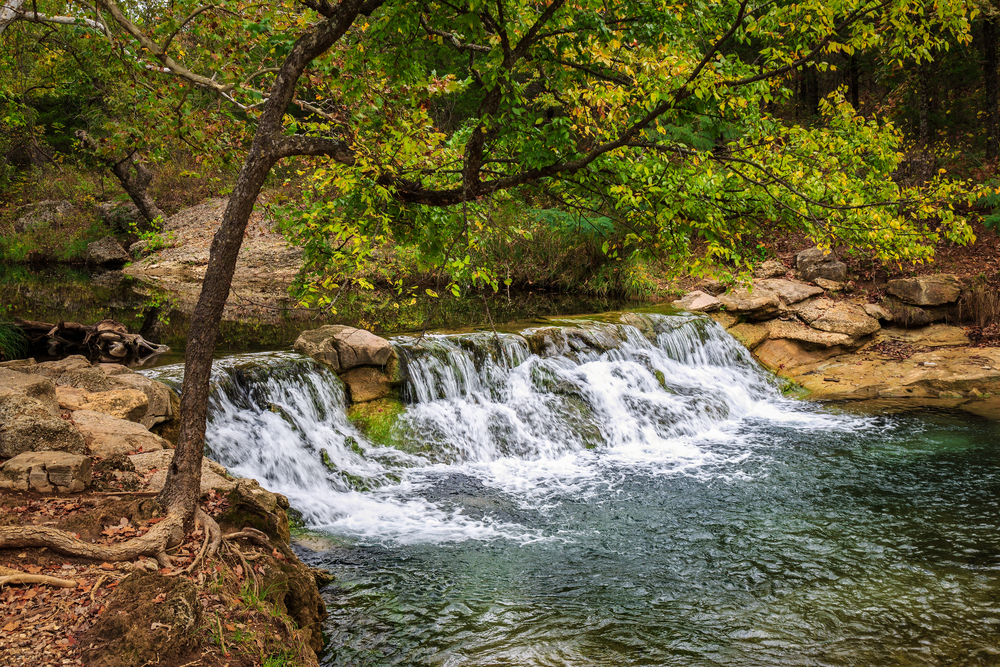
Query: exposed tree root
(213, 538)
(25, 578)
(162, 535)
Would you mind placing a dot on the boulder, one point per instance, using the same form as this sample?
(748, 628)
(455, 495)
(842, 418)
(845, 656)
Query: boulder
(343, 348)
(41, 214)
(127, 404)
(756, 305)
(366, 384)
(41, 389)
(92, 379)
(106, 252)
(816, 263)
(46, 472)
(159, 398)
(698, 301)
(711, 286)
(936, 290)
(772, 268)
(780, 329)
(213, 475)
(909, 316)
(55, 369)
(789, 291)
(749, 335)
(120, 215)
(846, 318)
(107, 436)
(28, 425)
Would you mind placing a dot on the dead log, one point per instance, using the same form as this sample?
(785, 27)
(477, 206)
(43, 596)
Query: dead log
(106, 341)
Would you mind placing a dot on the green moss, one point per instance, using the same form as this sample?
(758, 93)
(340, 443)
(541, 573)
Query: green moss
(378, 420)
(661, 378)
(793, 390)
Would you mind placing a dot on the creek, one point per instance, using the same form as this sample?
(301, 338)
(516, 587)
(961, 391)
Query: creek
(637, 494)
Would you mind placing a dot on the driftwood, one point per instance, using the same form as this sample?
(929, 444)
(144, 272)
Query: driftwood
(106, 341)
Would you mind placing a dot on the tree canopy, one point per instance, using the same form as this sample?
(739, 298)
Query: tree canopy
(657, 118)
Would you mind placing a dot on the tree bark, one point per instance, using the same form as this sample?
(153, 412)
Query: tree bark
(182, 489)
(136, 178)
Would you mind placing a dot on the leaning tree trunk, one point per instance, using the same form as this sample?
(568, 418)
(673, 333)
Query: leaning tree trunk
(136, 178)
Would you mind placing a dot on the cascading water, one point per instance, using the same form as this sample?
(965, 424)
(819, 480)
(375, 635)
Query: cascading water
(634, 490)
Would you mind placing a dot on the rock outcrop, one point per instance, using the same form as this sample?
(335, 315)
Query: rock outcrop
(816, 263)
(106, 252)
(46, 472)
(41, 214)
(365, 362)
(936, 290)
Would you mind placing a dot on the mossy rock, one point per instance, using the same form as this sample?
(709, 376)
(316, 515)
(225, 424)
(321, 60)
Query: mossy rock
(378, 420)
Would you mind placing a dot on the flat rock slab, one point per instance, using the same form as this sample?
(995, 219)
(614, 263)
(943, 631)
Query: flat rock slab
(46, 472)
(846, 318)
(758, 304)
(107, 436)
(779, 354)
(698, 302)
(945, 372)
(935, 335)
(936, 290)
(802, 333)
(789, 291)
(213, 475)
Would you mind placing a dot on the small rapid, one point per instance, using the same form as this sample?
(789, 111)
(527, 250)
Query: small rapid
(490, 423)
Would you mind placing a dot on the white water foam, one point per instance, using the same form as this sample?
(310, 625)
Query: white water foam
(532, 431)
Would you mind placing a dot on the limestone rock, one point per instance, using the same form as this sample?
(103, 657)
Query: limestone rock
(772, 268)
(92, 379)
(159, 398)
(783, 353)
(846, 318)
(749, 335)
(758, 305)
(366, 384)
(725, 320)
(39, 388)
(815, 263)
(829, 285)
(46, 472)
(27, 425)
(789, 291)
(41, 214)
(213, 475)
(343, 348)
(698, 301)
(877, 312)
(909, 316)
(936, 290)
(127, 404)
(800, 332)
(55, 369)
(119, 215)
(106, 252)
(566, 341)
(935, 335)
(107, 436)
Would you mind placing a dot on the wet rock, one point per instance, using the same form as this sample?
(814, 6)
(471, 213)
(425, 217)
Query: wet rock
(41, 214)
(213, 475)
(936, 290)
(846, 318)
(749, 335)
(725, 320)
(28, 425)
(698, 301)
(789, 291)
(780, 329)
(772, 268)
(106, 436)
(756, 305)
(46, 472)
(560, 341)
(149, 619)
(342, 348)
(366, 384)
(816, 263)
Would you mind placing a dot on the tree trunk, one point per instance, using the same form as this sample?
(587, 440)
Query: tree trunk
(855, 80)
(991, 86)
(136, 179)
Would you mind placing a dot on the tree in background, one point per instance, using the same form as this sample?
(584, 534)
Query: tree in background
(653, 114)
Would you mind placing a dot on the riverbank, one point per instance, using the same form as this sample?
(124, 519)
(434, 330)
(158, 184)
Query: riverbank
(86, 448)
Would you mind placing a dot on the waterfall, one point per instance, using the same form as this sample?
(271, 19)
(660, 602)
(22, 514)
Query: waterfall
(523, 419)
